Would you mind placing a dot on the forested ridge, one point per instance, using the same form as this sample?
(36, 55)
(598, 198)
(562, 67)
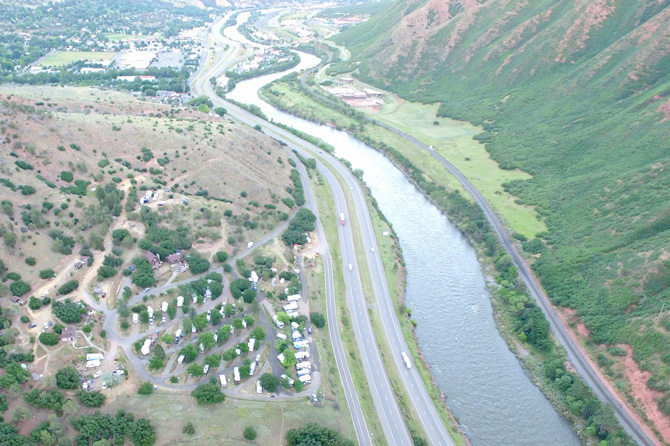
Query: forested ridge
(577, 93)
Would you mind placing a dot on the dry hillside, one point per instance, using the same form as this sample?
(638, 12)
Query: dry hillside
(104, 137)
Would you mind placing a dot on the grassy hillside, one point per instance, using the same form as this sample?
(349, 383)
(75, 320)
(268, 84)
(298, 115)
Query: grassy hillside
(577, 94)
(61, 145)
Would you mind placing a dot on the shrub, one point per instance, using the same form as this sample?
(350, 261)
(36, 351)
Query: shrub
(47, 273)
(67, 378)
(66, 176)
(318, 320)
(91, 399)
(68, 287)
(49, 338)
(25, 319)
(31, 261)
(19, 288)
(208, 394)
(189, 429)
(250, 433)
(67, 311)
(146, 388)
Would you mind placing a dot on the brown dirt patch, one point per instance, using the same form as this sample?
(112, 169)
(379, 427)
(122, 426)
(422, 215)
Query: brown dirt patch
(644, 395)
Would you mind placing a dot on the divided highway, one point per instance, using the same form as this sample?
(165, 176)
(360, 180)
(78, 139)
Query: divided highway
(387, 407)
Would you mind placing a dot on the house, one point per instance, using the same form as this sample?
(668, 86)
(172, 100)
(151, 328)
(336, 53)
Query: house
(153, 259)
(175, 258)
(68, 334)
(81, 262)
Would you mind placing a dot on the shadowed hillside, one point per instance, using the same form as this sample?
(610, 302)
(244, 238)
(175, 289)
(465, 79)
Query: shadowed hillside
(577, 93)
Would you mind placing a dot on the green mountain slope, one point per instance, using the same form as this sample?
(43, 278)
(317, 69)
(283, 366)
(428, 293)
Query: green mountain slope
(576, 93)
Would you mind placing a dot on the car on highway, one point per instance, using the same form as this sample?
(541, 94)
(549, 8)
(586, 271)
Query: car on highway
(350, 267)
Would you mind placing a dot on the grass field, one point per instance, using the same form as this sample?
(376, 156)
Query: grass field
(225, 423)
(453, 140)
(60, 58)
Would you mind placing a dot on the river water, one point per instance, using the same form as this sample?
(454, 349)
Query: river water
(485, 385)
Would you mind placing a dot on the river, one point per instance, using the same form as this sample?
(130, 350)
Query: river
(486, 387)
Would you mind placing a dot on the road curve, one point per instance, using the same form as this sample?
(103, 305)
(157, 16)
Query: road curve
(200, 85)
(576, 355)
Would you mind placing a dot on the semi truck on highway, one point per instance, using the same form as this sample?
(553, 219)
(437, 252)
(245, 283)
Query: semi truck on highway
(406, 359)
(342, 218)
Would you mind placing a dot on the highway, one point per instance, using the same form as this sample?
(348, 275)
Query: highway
(380, 387)
(201, 86)
(576, 355)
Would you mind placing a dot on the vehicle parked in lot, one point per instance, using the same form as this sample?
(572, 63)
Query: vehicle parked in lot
(32, 325)
(97, 375)
(136, 318)
(104, 385)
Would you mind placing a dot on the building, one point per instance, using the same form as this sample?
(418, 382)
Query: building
(81, 262)
(16, 300)
(68, 335)
(153, 259)
(175, 258)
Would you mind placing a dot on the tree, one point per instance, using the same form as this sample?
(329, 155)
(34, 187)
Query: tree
(258, 333)
(19, 287)
(318, 320)
(91, 399)
(269, 382)
(67, 311)
(249, 295)
(238, 286)
(208, 394)
(207, 340)
(143, 433)
(143, 276)
(213, 360)
(313, 433)
(186, 324)
(200, 322)
(156, 363)
(221, 256)
(190, 352)
(220, 111)
(289, 359)
(49, 338)
(67, 378)
(223, 333)
(195, 369)
(197, 264)
(250, 433)
(34, 303)
(105, 272)
(146, 388)
(45, 399)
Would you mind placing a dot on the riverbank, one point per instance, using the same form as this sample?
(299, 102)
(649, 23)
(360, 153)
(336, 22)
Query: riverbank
(595, 422)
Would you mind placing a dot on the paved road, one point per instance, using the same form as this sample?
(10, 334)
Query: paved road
(576, 355)
(419, 397)
(382, 392)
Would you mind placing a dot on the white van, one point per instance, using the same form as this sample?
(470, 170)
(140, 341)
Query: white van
(136, 318)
